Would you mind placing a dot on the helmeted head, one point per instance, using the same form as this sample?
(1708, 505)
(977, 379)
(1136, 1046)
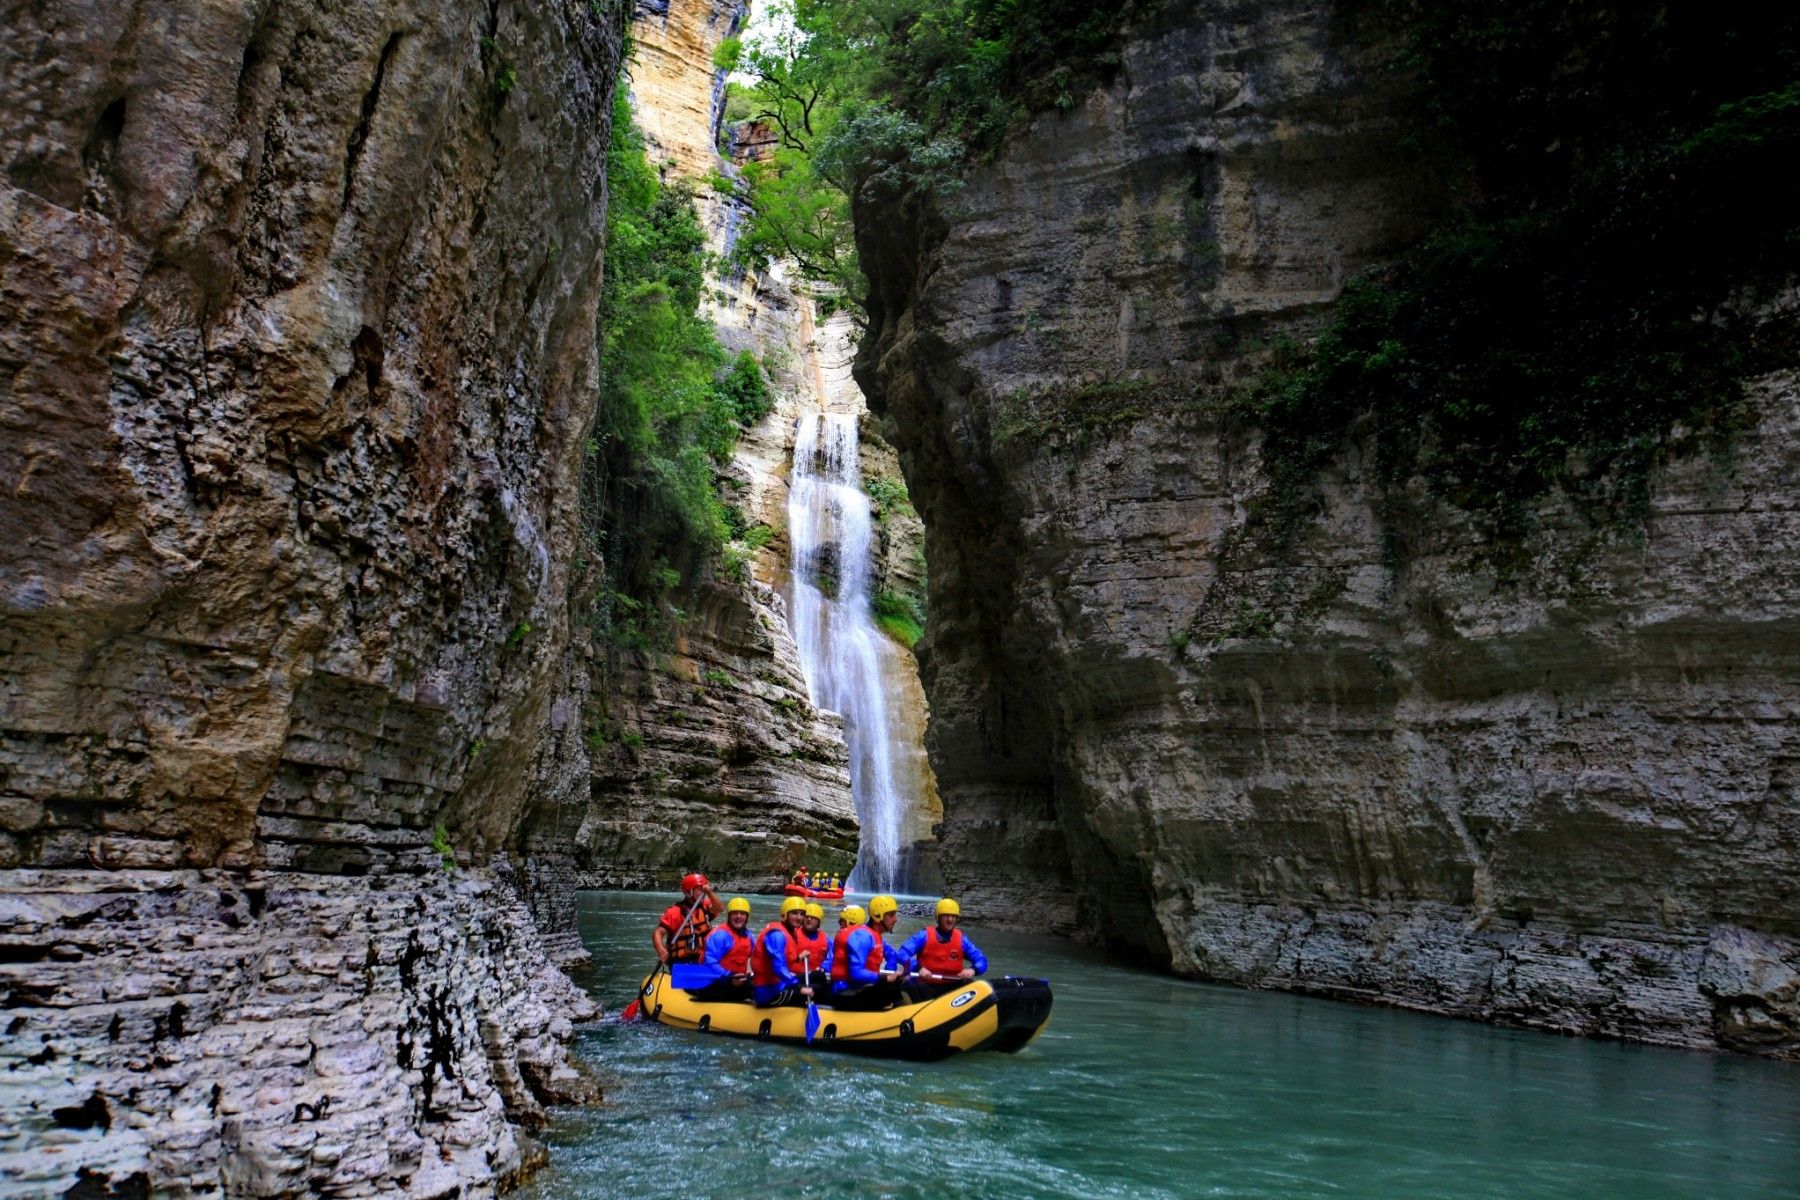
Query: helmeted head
(853, 914)
(814, 915)
(884, 910)
(737, 912)
(692, 883)
(790, 906)
(948, 913)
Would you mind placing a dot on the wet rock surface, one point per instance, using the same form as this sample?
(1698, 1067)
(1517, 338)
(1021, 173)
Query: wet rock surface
(1562, 799)
(297, 324)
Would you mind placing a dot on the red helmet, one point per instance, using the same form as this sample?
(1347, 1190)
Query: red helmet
(693, 883)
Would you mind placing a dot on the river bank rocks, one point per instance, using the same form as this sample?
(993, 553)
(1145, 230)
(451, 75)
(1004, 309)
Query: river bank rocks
(1562, 799)
(297, 318)
(205, 1032)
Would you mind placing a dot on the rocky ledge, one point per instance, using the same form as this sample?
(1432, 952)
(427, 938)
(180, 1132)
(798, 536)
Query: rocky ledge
(195, 1033)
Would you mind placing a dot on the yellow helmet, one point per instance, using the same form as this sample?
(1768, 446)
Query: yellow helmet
(816, 912)
(948, 908)
(792, 903)
(738, 904)
(881, 906)
(854, 914)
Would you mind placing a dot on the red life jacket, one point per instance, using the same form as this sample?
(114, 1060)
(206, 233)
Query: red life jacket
(691, 945)
(840, 953)
(809, 945)
(737, 959)
(765, 970)
(942, 958)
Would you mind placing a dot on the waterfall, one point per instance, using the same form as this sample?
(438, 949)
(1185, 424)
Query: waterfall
(831, 530)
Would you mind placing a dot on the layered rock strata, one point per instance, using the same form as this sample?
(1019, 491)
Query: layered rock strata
(709, 753)
(297, 325)
(1564, 800)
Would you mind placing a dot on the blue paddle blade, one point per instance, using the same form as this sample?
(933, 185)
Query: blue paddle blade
(812, 1021)
(691, 976)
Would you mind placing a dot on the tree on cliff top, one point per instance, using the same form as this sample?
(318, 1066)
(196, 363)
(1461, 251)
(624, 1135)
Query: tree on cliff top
(869, 93)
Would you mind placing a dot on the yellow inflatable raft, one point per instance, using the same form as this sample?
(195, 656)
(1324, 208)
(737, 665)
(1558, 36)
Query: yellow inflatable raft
(1001, 1014)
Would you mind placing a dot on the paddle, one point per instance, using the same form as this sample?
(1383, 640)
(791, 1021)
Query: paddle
(812, 1007)
(636, 1005)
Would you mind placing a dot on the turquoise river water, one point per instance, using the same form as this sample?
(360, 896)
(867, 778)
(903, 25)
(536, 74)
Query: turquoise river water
(1150, 1088)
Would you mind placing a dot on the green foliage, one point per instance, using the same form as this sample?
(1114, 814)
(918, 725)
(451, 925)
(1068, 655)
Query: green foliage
(440, 842)
(727, 55)
(519, 633)
(889, 496)
(1588, 303)
(661, 424)
(672, 404)
(1082, 409)
(739, 552)
(738, 102)
(868, 97)
(744, 389)
(900, 616)
(716, 678)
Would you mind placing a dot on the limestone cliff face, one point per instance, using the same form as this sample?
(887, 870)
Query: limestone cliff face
(1566, 801)
(708, 754)
(297, 324)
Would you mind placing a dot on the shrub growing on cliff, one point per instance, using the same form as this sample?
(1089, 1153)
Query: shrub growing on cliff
(672, 402)
(900, 615)
(1592, 296)
(745, 391)
(872, 96)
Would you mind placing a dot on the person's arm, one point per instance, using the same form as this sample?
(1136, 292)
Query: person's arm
(824, 963)
(977, 961)
(909, 949)
(857, 947)
(718, 944)
(659, 938)
(775, 950)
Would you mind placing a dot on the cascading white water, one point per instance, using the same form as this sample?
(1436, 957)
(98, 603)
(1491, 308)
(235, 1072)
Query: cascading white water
(830, 526)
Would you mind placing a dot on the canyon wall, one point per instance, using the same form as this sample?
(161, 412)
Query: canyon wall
(1563, 799)
(297, 334)
(708, 754)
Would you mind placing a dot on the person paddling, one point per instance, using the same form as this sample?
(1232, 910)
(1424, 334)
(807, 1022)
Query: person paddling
(678, 938)
(727, 957)
(777, 967)
(945, 957)
(814, 947)
(866, 975)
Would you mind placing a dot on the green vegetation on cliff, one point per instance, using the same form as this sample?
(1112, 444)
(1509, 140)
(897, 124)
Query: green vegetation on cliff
(863, 96)
(901, 615)
(672, 401)
(1597, 292)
